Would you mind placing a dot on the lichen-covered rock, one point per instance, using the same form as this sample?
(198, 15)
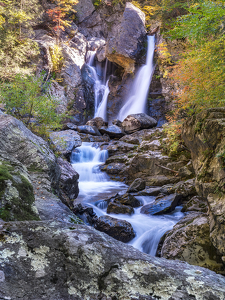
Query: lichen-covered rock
(116, 207)
(52, 260)
(30, 150)
(162, 205)
(120, 230)
(137, 185)
(135, 122)
(189, 240)
(65, 141)
(196, 203)
(125, 46)
(204, 135)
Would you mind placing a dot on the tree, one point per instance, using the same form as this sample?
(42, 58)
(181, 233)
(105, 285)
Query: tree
(16, 48)
(200, 73)
(58, 15)
(26, 98)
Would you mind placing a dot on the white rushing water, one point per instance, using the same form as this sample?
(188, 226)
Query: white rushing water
(95, 185)
(136, 102)
(101, 86)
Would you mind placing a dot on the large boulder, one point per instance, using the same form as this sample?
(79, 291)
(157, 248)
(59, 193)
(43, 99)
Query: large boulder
(189, 240)
(33, 172)
(52, 260)
(121, 230)
(65, 141)
(124, 47)
(204, 135)
(135, 122)
(30, 150)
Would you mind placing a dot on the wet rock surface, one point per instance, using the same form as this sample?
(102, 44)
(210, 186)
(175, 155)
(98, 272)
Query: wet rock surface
(121, 230)
(59, 255)
(117, 207)
(112, 131)
(163, 205)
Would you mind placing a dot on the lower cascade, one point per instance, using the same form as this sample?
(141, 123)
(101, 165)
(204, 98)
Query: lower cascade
(95, 186)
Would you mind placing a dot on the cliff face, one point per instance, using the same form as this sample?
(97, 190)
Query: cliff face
(204, 135)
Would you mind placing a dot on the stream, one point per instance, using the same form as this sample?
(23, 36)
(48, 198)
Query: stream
(95, 186)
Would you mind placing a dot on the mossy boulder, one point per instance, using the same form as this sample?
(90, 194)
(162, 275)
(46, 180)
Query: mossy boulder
(16, 194)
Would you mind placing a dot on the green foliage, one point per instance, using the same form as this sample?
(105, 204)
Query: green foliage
(27, 98)
(57, 58)
(200, 73)
(17, 50)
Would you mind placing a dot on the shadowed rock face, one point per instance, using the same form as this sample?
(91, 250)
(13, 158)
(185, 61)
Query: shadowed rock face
(204, 136)
(189, 240)
(124, 47)
(54, 261)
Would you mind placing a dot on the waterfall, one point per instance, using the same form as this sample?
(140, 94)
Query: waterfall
(101, 88)
(95, 185)
(102, 108)
(136, 103)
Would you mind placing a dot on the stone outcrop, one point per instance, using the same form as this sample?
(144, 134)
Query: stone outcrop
(189, 240)
(52, 260)
(30, 171)
(204, 135)
(137, 185)
(125, 45)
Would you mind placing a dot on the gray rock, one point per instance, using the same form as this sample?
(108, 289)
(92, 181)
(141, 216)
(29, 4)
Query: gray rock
(196, 204)
(65, 141)
(68, 182)
(88, 82)
(128, 199)
(124, 47)
(163, 205)
(100, 54)
(95, 43)
(117, 122)
(116, 207)
(137, 185)
(97, 122)
(150, 192)
(84, 9)
(189, 240)
(88, 130)
(135, 122)
(120, 230)
(113, 131)
(52, 260)
(71, 126)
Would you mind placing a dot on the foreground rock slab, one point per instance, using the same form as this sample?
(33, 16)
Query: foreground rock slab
(50, 260)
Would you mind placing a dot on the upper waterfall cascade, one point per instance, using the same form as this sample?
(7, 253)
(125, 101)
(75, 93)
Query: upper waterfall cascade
(136, 102)
(101, 86)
